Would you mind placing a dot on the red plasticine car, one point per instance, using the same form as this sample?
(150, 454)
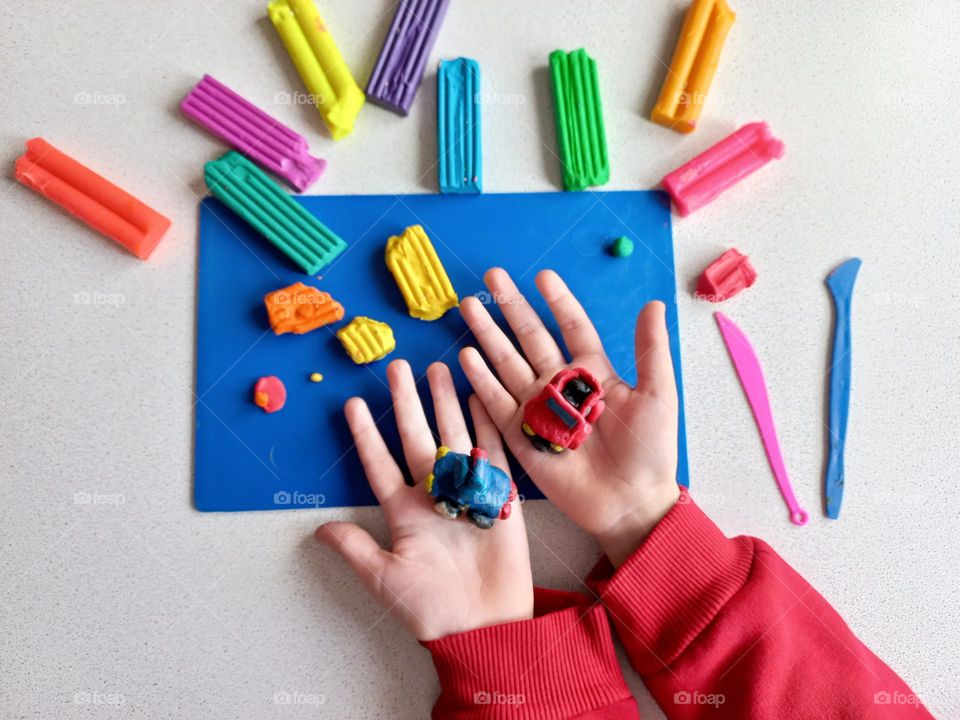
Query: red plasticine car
(561, 416)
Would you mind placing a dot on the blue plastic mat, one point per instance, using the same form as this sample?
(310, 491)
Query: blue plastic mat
(303, 455)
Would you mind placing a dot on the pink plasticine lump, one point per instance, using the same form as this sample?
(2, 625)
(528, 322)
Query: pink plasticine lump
(269, 394)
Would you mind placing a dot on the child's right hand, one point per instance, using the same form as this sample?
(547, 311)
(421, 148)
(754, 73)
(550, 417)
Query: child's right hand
(440, 577)
(620, 482)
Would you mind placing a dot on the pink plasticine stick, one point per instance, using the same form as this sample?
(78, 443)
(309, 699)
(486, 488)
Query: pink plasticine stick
(697, 183)
(259, 136)
(751, 378)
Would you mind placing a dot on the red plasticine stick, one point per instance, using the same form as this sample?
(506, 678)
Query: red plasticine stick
(90, 197)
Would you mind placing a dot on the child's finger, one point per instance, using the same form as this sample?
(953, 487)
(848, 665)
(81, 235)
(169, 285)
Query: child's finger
(488, 436)
(654, 366)
(578, 332)
(450, 423)
(499, 403)
(362, 552)
(416, 437)
(516, 372)
(538, 345)
(381, 469)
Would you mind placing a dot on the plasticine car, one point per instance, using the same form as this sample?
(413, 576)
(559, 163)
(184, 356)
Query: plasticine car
(470, 484)
(562, 415)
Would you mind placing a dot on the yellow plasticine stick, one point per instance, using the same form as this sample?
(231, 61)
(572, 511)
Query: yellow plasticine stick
(695, 59)
(419, 273)
(319, 62)
(366, 340)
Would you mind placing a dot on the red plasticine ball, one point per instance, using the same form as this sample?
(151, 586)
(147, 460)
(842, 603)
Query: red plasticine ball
(269, 394)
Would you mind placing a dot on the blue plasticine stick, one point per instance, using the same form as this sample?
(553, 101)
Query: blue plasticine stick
(840, 282)
(458, 126)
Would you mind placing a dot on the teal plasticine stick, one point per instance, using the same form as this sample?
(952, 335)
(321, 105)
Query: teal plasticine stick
(246, 190)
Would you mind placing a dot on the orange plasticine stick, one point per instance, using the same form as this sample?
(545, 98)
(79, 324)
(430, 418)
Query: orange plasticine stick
(90, 197)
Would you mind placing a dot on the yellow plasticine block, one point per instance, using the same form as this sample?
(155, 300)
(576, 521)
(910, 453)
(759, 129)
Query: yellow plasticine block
(320, 64)
(366, 340)
(695, 60)
(420, 276)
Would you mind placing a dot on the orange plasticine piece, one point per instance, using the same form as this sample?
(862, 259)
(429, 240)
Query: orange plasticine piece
(90, 197)
(300, 308)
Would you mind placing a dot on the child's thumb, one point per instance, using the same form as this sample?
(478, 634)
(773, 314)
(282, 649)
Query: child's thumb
(358, 548)
(654, 366)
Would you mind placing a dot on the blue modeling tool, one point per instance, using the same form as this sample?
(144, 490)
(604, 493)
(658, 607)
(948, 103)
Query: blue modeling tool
(458, 126)
(840, 282)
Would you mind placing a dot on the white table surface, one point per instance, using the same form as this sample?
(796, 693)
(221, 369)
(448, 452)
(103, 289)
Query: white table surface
(179, 614)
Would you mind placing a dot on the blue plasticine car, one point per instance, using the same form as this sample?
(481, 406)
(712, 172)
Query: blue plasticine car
(470, 484)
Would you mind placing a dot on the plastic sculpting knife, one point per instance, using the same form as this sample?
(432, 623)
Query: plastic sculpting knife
(840, 282)
(751, 378)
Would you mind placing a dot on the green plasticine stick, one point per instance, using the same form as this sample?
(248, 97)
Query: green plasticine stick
(580, 132)
(246, 190)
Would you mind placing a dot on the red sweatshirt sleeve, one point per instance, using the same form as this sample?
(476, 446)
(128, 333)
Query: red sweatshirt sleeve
(561, 664)
(724, 628)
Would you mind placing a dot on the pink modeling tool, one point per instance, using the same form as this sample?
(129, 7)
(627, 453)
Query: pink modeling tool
(247, 128)
(751, 378)
(697, 183)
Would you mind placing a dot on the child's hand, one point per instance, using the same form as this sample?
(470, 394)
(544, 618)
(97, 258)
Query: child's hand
(440, 576)
(622, 480)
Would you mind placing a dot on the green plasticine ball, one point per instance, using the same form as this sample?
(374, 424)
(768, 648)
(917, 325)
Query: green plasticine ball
(622, 247)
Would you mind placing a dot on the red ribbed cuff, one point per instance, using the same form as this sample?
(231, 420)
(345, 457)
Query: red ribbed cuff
(560, 664)
(673, 586)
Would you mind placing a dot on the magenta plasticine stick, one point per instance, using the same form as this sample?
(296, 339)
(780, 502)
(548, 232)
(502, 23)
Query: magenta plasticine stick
(697, 183)
(248, 129)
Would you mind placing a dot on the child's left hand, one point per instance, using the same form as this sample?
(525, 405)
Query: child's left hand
(440, 576)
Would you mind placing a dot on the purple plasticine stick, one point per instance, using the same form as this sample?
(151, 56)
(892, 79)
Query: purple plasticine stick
(261, 137)
(399, 69)
(751, 378)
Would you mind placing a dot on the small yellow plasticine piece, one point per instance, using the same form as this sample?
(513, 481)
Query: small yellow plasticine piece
(695, 59)
(419, 274)
(316, 377)
(366, 340)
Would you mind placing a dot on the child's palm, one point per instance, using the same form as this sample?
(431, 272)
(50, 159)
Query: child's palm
(623, 478)
(447, 576)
